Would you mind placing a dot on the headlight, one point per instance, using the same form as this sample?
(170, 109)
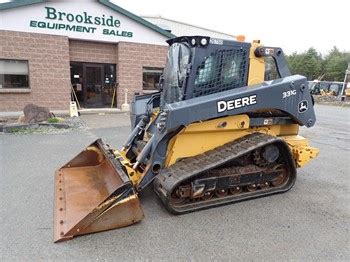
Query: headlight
(204, 41)
(193, 41)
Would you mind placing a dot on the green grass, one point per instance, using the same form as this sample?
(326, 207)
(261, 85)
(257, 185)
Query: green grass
(53, 120)
(15, 130)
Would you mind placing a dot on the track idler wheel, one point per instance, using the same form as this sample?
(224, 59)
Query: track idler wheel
(281, 178)
(265, 185)
(207, 195)
(177, 197)
(252, 188)
(236, 190)
(221, 192)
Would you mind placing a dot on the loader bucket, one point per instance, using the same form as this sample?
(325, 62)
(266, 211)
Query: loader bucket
(92, 194)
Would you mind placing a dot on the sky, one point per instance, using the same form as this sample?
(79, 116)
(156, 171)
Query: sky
(294, 25)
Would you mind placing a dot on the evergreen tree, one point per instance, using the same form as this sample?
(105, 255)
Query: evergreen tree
(312, 65)
(335, 64)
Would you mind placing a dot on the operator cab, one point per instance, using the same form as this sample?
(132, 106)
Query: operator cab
(219, 65)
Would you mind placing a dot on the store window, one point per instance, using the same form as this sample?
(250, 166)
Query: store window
(14, 74)
(151, 78)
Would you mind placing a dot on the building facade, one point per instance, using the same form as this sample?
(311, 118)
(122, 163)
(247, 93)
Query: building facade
(90, 51)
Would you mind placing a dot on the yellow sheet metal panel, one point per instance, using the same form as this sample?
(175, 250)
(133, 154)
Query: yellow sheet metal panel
(256, 66)
(289, 129)
(277, 130)
(223, 123)
(200, 137)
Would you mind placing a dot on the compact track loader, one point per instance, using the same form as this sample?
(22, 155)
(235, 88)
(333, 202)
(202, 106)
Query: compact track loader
(215, 133)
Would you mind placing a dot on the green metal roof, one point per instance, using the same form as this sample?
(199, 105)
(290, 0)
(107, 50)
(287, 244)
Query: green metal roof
(19, 3)
(110, 5)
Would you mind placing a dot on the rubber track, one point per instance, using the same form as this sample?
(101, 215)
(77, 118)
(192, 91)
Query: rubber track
(185, 169)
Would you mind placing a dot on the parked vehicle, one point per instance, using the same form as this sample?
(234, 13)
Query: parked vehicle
(325, 87)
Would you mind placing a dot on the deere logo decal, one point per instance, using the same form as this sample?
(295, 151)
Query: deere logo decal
(236, 103)
(82, 22)
(302, 106)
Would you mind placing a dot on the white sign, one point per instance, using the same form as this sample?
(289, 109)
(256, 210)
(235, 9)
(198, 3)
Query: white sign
(88, 20)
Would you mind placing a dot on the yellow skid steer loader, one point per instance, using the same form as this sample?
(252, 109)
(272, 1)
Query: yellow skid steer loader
(215, 133)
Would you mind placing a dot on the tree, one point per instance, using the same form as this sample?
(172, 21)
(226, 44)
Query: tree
(308, 63)
(335, 64)
(312, 65)
(295, 62)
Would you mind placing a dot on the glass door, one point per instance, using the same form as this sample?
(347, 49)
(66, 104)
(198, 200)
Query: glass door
(110, 85)
(93, 85)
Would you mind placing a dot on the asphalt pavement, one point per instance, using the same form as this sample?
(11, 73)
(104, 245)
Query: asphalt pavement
(310, 222)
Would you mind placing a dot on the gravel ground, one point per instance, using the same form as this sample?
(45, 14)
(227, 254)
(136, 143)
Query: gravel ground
(75, 122)
(331, 100)
(63, 126)
(311, 222)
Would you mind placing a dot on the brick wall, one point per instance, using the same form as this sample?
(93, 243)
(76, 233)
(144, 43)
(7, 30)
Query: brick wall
(49, 59)
(92, 52)
(49, 71)
(132, 57)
